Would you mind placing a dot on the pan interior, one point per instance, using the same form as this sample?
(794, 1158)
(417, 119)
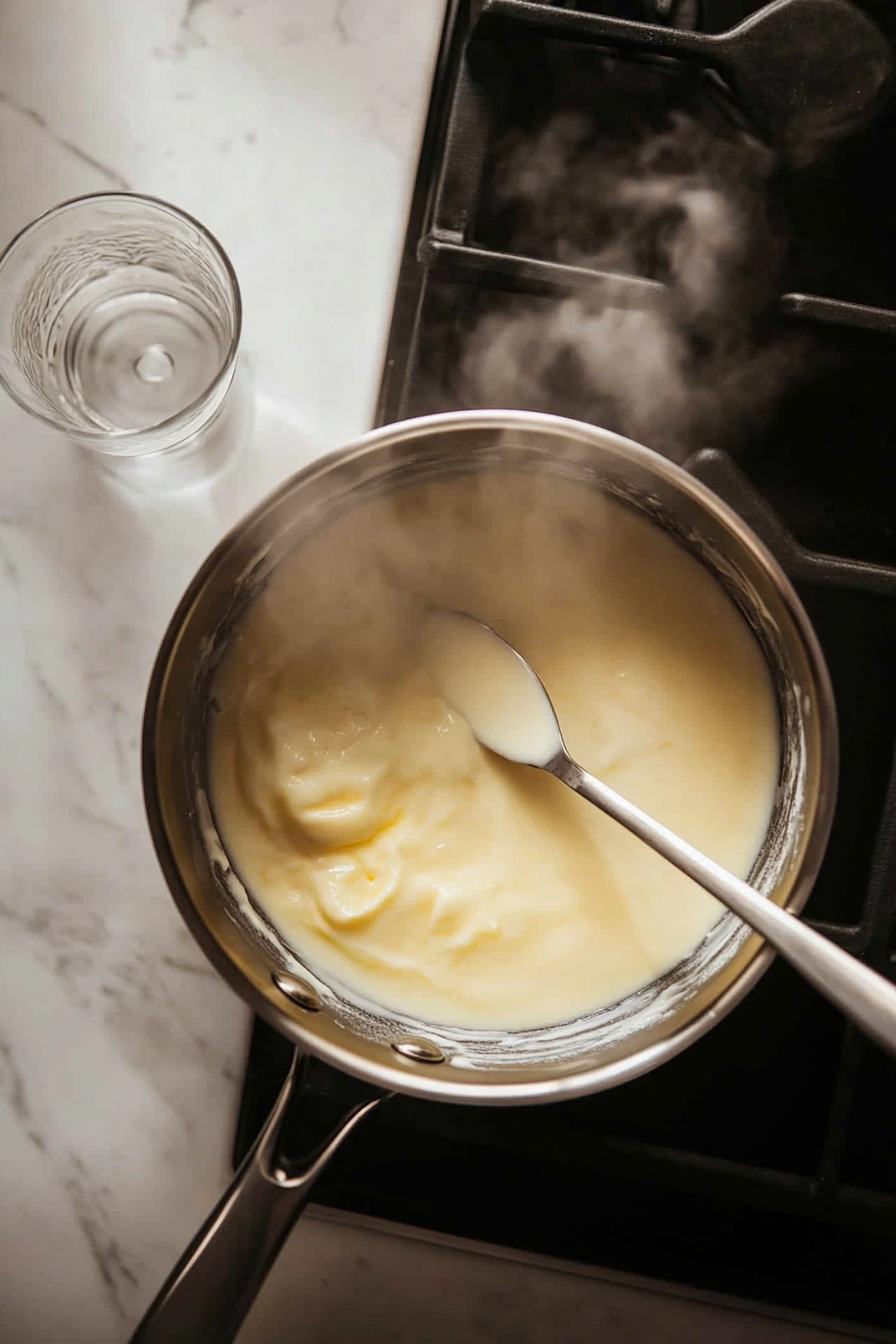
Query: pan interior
(600, 1037)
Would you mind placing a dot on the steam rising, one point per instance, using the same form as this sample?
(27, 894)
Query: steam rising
(681, 365)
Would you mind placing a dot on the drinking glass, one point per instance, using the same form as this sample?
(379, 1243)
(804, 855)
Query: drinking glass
(120, 323)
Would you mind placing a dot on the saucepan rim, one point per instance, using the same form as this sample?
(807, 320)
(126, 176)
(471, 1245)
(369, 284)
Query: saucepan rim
(417, 1078)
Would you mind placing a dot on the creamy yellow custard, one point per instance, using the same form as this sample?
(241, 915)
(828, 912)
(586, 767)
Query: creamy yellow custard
(399, 857)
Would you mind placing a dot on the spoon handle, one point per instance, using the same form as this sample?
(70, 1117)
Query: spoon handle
(864, 996)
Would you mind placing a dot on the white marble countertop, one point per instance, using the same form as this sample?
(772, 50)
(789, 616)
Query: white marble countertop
(292, 130)
(290, 127)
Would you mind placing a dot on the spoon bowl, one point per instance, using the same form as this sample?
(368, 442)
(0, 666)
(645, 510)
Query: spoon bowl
(803, 71)
(501, 697)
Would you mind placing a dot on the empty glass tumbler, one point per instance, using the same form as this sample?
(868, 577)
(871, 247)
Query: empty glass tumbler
(119, 326)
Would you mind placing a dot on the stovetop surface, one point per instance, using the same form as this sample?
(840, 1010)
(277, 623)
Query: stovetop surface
(760, 1162)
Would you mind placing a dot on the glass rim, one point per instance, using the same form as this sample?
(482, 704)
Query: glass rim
(124, 436)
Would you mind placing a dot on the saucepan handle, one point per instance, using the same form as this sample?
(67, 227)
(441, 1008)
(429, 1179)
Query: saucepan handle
(210, 1290)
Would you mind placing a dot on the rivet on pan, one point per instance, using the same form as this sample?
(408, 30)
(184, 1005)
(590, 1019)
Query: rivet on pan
(299, 991)
(419, 1050)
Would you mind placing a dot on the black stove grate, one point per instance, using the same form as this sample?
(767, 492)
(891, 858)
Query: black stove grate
(762, 1161)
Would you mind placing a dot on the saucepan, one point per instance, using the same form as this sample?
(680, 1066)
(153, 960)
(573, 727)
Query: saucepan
(350, 1053)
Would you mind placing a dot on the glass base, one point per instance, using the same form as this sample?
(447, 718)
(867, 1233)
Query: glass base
(203, 456)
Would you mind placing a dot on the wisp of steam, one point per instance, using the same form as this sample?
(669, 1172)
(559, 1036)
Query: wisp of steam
(682, 365)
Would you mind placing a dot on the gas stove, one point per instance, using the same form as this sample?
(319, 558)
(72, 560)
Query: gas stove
(761, 1162)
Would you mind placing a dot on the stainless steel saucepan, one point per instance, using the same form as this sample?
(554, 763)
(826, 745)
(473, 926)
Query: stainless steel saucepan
(350, 1054)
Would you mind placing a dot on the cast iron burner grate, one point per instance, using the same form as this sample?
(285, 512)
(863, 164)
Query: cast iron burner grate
(761, 1162)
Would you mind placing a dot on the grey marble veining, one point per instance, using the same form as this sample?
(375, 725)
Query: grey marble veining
(291, 130)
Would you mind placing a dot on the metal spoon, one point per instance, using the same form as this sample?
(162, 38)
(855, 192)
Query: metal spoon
(509, 711)
(802, 69)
